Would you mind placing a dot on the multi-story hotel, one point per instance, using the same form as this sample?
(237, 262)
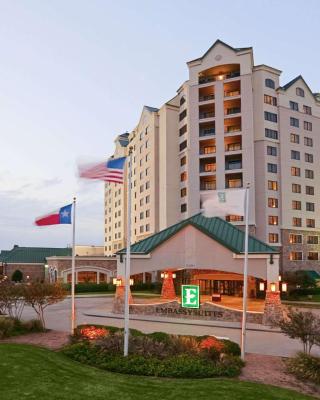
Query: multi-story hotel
(230, 124)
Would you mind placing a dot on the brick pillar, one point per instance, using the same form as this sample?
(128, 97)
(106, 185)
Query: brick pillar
(168, 291)
(118, 301)
(273, 309)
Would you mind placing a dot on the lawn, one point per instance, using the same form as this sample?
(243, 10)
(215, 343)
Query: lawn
(28, 372)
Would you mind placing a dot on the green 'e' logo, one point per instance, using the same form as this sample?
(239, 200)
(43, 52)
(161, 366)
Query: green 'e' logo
(190, 296)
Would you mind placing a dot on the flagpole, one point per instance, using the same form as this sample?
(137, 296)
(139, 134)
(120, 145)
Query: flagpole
(73, 269)
(128, 255)
(245, 277)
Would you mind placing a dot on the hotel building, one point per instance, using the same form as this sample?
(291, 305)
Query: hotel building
(232, 123)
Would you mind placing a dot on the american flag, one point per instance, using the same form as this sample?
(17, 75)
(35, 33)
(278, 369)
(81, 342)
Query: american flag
(110, 171)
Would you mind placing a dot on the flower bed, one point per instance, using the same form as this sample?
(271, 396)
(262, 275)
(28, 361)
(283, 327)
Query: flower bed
(155, 354)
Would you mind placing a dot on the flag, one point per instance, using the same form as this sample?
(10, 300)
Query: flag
(224, 202)
(61, 216)
(110, 171)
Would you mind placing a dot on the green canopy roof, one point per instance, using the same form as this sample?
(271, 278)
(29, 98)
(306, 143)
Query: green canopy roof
(33, 255)
(218, 229)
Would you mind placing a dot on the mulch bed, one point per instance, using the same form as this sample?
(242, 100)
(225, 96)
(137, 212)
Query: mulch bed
(52, 340)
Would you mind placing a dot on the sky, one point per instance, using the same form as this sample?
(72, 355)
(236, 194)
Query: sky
(74, 74)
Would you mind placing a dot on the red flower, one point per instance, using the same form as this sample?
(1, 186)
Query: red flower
(93, 332)
(210, 342)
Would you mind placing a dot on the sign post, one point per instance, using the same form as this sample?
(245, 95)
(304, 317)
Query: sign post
(190, 296)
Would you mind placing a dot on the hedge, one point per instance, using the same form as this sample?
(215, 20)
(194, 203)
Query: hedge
(154, 287)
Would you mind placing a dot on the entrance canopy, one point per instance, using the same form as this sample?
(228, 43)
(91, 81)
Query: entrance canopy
(201, 243)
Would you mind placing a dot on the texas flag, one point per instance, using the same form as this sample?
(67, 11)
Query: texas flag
(61, 216)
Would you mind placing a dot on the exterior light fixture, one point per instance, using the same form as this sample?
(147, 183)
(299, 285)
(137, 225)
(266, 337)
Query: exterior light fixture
(273, 287)
(117, 281)
(174, 276)
(261, 286)
(220, 77)
(280, 278)
(164, 275)
(131, 282)
(284, 287)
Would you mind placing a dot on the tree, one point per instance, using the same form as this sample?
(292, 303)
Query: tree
(299, 279)
(41, 295)
(17, 276)
(304, 326)
(11, 299)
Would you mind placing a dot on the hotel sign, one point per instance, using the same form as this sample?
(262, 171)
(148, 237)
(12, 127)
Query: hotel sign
(190, 296)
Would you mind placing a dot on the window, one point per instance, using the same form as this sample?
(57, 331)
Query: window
(141, 228)
(294, 106)
(141, 188)
(147, 171)
(295, 256)
(271, 151)
(182, 100)
(270, 83)
(272, 168)
(310, 190)
(272, 202)
(273, 238)
(270, 100)
(183, 176)
(272, 185)
(307, 125)
(299, 92)
(147, 184)
(147, 213)
(308, 141)
(295, 239)
(296, 188)
(296, 221)
(295, 155)
(268, 116)
(147, 143)
(312, 256)
(308, 157)
(271, 134)
(312, 240)
(148, 228)
(147, 157)
(310, 223)
(182, 115)
(309, 174)
(183, 145)
(296, 205)
(148, 199)
(234, 218)
(183, 192)
(295, 171)
(294, 138)
(183, 130)
(273, 220)
(141, 202)
(307, 110)
(310, 206)
(294, 122)
(183, 161)
(183, 207)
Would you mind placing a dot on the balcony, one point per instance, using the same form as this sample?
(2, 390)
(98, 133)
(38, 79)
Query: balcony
(206, 79)
(207, 132)
(206, 98)
(207, 165)
(208, 185)
(206, 114)
(233, 147)
(207, 150)
(232, 128)
(234, 181)
(232, 93)
(218, 77)
(235, 164)
(232, 110)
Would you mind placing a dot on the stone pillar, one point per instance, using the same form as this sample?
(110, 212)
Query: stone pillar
(118, 301)
(168, 291)
(273, 309)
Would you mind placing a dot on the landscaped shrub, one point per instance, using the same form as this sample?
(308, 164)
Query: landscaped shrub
(6, 327)
(91, 287)
(154, 287)
(306, 367)
(160, 337)
(231, 348)
(13, 327)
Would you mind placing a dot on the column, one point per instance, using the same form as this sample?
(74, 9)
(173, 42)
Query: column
(118, 301)
(168, 291)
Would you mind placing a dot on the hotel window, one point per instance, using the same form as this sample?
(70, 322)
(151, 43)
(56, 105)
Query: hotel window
(148, 228)
(313, 256)
(147, 213)
(148, 199)
(141, 202)
(272, 168)
(312, 240)
(147, 157)
(299, 92)
(183, 192)
(272, 185)
(294, 106)
(183, 207)
(307, 126)
(271, 151)
(296, 188)
(141, 228)
(294, 138)
(273, 238)
(182, 100)
(147, 143)
(141, 136)
(309, 174)
(271, 133)
(307, 110)
(308, 141)
(295, 239)
(296, 205)
(296, 221)
(147, 184)
(310, 206)
(183, 176)
(147, 171)
(273, 220)
(269, 83)
(295, 256)
(295, 155)
(234, 218)
(141, 188)
(182, 115)
(272, 202)
(270, 100)
(183, 130)
(308, 157)
(310, 190)
(295, 171)
(183, 161)
(141, 176)
(268, 116)
(294, 122)
(310, 223)
(183, 145)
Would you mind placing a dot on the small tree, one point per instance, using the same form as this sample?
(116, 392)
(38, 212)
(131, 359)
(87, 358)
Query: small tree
(304, 326)
(17, 276)
(41, 295)
(300, 279)
(11, 299)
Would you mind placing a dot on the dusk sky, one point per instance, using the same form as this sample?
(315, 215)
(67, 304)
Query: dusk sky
(74, 74)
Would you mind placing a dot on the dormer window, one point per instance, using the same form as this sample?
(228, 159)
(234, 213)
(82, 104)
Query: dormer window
(182, 100)
(299, 92)
(270, 83)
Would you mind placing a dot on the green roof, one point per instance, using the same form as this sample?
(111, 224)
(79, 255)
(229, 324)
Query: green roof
(218, 229)
(32, 254)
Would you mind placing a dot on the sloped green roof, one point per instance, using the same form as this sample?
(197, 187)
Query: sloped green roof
(32, 254)
(218, 229)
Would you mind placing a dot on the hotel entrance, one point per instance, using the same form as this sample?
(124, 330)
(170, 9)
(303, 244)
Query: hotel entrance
(223, 287)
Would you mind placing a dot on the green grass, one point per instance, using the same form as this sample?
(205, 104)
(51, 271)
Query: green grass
(33, 373)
